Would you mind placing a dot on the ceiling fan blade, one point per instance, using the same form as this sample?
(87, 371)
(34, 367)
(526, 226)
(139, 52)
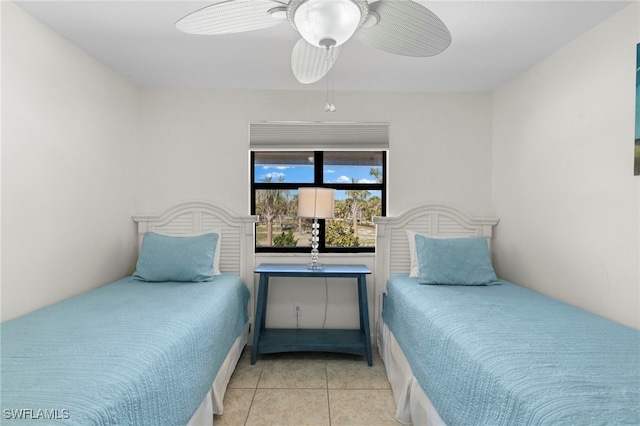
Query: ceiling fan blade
(309, 63)
(233, 16)
(405, 28)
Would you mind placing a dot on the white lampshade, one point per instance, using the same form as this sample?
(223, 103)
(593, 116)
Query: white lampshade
(316, 203)
(327, 23)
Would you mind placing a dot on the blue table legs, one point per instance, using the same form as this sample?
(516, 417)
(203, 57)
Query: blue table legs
(281, 340)
(261, 314)
(364, 316)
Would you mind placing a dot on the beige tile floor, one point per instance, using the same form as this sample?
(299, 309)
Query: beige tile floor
(308, 389)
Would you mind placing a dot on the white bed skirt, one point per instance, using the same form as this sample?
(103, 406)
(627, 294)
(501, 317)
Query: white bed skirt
(212, 402)
(412, 404)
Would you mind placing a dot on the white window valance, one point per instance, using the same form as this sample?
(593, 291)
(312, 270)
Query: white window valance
(283, 135)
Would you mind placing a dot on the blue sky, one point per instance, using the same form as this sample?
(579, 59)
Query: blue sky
(304, 174)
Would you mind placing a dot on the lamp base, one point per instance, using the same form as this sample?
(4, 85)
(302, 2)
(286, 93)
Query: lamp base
(314, 266)
(314, 246)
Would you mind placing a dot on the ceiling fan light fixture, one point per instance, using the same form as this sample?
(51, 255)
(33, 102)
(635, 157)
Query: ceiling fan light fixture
(327, 23)
(278, 12)
(372, 19)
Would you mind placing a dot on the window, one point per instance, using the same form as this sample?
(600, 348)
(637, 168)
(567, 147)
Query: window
(359, 178)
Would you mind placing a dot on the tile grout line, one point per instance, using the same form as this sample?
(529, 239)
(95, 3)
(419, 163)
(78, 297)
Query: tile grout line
(326, 377)
(255, 390)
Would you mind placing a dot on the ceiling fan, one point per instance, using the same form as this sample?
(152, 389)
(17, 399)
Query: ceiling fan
(401, 27)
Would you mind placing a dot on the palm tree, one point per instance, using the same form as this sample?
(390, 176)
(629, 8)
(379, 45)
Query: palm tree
(269, 204)
(292, 210)
(376, 173)
(356, 195)
(372, 207)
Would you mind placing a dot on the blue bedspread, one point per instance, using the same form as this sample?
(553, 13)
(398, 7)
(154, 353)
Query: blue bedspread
(505, 355)
(128, 353)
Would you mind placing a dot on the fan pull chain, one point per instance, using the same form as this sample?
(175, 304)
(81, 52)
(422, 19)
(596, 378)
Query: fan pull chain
(333, 59)
(329, 106)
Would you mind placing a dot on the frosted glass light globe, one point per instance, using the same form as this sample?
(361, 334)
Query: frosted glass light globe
(327, 23)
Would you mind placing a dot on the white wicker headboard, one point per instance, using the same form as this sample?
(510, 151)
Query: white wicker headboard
(392, 246)
(236, 253)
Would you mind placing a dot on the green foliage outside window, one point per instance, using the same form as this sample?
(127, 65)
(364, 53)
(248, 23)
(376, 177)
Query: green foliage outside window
(340, 234)
(285, 239)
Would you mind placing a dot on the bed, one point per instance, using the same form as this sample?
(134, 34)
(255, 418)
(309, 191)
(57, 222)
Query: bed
(147, 349)
(493, 352)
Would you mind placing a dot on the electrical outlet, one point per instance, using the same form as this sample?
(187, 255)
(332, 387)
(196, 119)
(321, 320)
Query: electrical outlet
(297, 309)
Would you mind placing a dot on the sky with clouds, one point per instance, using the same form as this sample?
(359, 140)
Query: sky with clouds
(304, 174)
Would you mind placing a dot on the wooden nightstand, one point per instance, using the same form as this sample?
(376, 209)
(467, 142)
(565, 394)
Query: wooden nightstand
(317, 340)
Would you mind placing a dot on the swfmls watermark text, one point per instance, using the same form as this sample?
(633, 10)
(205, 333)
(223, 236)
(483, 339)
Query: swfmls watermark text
(35, 414)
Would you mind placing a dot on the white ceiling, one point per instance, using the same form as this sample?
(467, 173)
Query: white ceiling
(493, 41)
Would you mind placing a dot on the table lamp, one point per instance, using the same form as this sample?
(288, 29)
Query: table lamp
(315, 203)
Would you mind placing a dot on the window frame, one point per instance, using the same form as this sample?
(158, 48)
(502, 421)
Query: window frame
(318, 165)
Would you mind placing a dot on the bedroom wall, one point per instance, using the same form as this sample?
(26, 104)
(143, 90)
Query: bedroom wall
(563, 184)
(195, 146)
(194, 141)
(68, 168)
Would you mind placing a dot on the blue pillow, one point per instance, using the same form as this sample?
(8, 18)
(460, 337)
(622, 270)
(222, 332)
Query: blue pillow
(454, 261)
(182, 259)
